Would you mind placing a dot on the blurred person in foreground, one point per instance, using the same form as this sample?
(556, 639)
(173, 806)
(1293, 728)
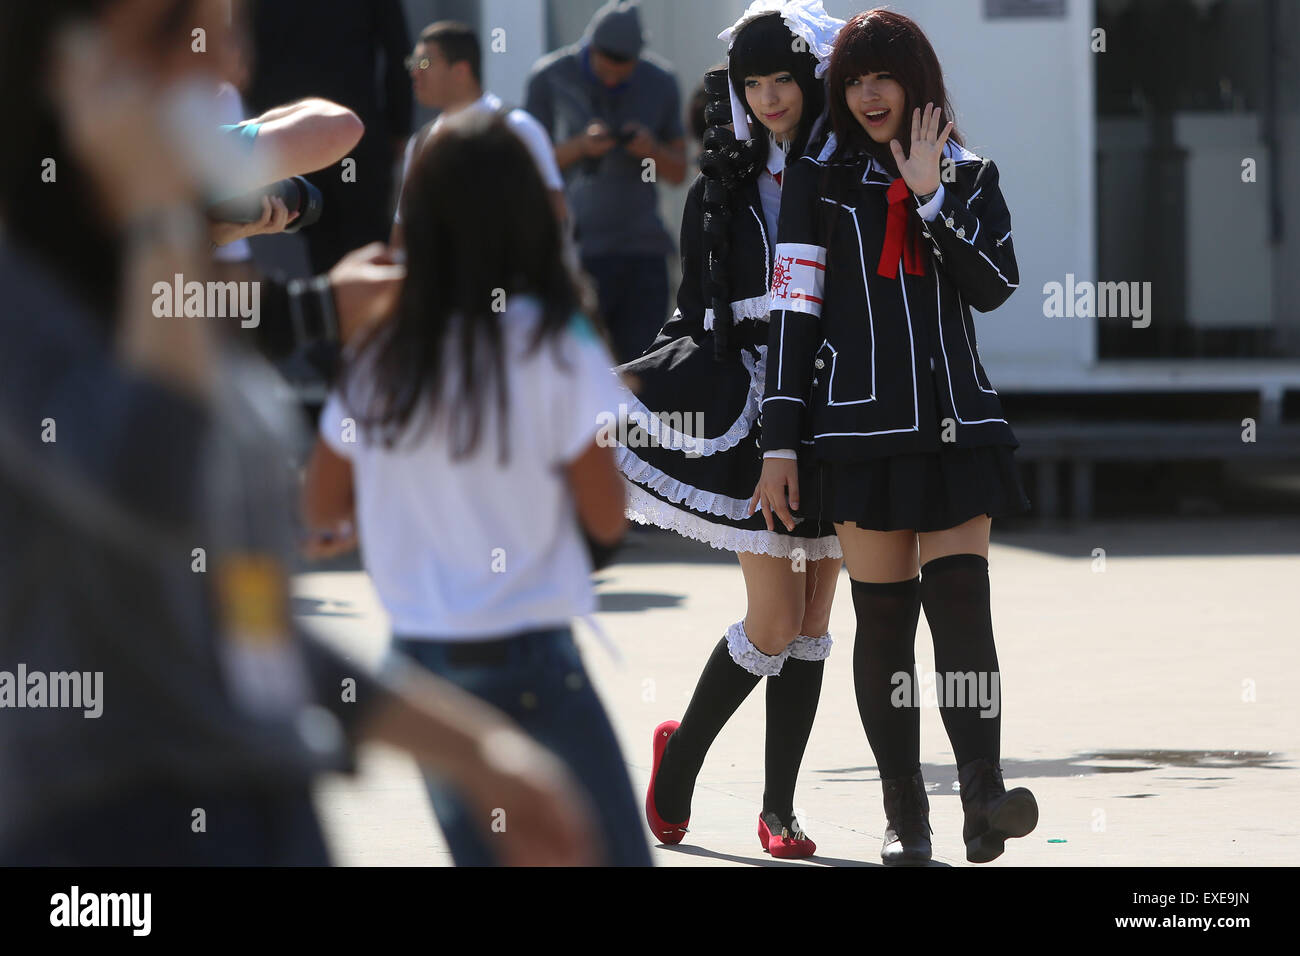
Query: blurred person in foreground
(614, 113)
(447, 75)
(464, 436)
(144, 504)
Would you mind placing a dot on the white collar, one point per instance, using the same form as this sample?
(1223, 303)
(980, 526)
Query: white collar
(487, 102)
(775, 156)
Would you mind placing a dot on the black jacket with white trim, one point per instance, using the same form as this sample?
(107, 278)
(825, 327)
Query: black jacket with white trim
(865, 345)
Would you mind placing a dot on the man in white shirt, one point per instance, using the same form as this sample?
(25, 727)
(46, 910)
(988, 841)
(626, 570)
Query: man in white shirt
(446, 75)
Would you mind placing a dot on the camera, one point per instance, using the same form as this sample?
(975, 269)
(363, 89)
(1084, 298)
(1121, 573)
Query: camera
(298, 196)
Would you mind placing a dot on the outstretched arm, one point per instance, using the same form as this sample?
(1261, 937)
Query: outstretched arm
(304, 137)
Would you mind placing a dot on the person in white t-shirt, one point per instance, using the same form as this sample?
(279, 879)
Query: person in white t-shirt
(465, 438)
(446, 75)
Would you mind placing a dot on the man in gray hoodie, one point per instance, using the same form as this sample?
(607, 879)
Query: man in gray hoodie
(614, 112)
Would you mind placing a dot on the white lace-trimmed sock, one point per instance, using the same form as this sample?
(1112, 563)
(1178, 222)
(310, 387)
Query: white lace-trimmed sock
(806, 648)
(746, 655)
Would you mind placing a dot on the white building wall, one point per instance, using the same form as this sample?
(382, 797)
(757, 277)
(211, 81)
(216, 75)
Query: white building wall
(1022, 90)
(513, 34)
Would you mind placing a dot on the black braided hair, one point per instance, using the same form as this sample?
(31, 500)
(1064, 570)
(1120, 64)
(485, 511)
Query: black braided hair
(726, 163)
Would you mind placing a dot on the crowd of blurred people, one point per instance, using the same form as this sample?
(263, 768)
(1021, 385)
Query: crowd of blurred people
(152, 523)
(168, 706)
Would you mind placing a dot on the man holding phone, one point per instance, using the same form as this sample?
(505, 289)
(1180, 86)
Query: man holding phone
(614, 112)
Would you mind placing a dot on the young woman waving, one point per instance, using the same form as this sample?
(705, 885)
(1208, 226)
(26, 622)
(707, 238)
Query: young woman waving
(889, 237)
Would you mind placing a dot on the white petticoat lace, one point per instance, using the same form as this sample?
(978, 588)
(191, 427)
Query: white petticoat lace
(746, 655)
(645, 508)
(668, 437)
(696, 499)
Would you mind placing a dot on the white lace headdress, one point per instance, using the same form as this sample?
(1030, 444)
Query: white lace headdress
(806, 19)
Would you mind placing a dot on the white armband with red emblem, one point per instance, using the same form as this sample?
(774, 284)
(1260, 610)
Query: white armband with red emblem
(798, 278)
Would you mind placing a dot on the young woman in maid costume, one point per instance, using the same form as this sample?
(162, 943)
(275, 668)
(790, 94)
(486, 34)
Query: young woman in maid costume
(889, 236)
(691, 453)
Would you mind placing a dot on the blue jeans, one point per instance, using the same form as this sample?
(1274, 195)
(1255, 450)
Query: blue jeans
(633, 295)
(540, 683)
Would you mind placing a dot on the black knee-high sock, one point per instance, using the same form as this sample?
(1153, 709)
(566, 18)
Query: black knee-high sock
(885, 645)
(723, 686)
(955, 595)
(791, 706)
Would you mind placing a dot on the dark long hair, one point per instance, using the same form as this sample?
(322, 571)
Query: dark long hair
(765, 46)
(882, 41)
(59, 223)
(479, 227)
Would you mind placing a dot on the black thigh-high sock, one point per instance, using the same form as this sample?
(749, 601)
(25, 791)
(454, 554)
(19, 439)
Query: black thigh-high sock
(955, 595)
(792, 698)
(885, 646)
(723, 686)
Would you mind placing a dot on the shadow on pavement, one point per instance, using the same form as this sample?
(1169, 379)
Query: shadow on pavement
(765, 860)
(942, 779)
(1160, 537)
(636, 600)
(1128, 538)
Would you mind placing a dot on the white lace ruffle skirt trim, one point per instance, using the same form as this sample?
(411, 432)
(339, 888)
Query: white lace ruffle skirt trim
(645, 508)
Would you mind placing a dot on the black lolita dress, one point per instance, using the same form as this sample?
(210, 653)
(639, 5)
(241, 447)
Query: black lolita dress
(689, 444)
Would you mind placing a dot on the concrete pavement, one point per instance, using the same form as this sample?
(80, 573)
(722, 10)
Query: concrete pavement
(1149, 700)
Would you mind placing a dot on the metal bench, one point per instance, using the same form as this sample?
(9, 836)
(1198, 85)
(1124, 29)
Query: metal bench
(1078, 446)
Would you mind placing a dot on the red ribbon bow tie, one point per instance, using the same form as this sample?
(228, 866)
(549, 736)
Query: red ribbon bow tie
(900, 240)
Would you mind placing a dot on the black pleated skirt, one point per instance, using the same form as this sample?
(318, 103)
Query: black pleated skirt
(930, 491)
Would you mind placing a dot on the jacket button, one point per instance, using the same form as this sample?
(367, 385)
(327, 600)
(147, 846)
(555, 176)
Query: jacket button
(961, 233)
(819, 364)
(948, 222)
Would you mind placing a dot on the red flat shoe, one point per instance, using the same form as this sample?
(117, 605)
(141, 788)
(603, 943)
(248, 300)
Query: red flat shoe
(667, 833)
(783, 844)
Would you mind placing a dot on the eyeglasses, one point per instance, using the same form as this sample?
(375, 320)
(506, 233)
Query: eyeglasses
(411, 63)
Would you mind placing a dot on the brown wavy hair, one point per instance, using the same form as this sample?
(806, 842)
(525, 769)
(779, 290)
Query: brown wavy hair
(882, 41)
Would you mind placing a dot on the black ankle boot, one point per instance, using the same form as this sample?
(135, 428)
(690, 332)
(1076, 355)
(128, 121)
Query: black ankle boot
(907, 815)
(992, 814)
